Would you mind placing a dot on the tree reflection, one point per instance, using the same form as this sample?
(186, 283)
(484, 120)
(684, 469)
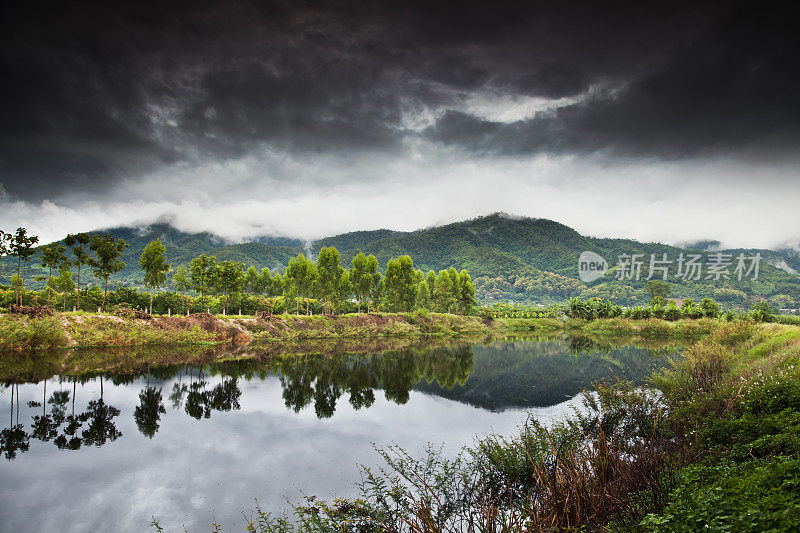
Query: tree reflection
(222, 397)
(318, 380)
(148, 413)
(179, 390)
(44, 427)
(101, 427)
(323, 379)
(69, 439)
(99, 418)
(14, 438)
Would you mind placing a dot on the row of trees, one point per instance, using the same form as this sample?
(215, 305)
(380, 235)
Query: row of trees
(101, 253)
(594, 308)
(400, 288)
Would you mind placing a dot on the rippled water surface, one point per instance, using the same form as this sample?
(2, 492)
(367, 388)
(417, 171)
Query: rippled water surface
(189, 444)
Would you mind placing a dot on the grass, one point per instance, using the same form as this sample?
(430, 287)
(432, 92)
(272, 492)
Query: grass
(80, 330)
(19, 333)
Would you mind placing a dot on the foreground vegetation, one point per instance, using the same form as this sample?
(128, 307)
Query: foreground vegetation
(712, 444)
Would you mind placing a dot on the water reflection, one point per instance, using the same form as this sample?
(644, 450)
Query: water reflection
(522, 373)
(148, 413)
(494, 376)
(95, 426)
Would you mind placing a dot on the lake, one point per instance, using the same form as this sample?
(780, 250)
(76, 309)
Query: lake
(192, 444)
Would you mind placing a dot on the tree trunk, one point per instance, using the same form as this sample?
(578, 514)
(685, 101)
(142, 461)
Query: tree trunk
(151, 303)
(49, 285)
(19, 280)
(105, 294)
(78, 304)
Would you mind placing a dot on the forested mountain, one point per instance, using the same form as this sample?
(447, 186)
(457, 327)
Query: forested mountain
(510, 258)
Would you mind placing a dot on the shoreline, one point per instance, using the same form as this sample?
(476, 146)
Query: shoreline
(76, 343)
(84, 330)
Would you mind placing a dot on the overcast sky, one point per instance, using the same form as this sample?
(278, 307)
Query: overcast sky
(665, 122)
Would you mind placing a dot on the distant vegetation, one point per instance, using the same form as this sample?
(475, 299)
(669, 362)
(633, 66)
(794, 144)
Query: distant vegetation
(511, 260)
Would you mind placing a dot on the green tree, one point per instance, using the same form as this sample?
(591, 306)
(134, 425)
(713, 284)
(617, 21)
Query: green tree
(4, 244)
(362, 277)
(345, 288)
(267, 282)
(108, 251)
(63, 282)
(278, 283)
(762, 312)
(466, 291)
(228, 280)
(658, 289)
(201, 270)
(399, 288)
(375, 291)
(423, 300)
(154, 266)
(709, 307)
(253, 282)
(4, 238)
(20, 245)
(17, 283)
(301, 277)
(330, 277)
(77, 243)
(430, 279)
(53, 256)
(183, 284)
(445, 291)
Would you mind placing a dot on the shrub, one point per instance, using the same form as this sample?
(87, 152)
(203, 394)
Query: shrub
(755, 496)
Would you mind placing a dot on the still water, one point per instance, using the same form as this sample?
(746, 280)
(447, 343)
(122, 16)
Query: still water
(190, 444)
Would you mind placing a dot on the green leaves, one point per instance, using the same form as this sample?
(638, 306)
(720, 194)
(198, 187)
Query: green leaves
(399, 284)
(330, 277)
(108, 250)
(301, 276)
(201, 270)
(153, 264)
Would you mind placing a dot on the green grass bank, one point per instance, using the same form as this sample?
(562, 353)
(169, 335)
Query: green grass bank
(82, 330)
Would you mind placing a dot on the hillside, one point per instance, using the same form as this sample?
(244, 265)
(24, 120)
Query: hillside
(511, 259)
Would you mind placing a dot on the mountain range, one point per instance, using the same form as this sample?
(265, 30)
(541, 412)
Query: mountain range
(511, 259)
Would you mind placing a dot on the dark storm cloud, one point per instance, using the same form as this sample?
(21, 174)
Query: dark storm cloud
(92, 93)
(731, 87)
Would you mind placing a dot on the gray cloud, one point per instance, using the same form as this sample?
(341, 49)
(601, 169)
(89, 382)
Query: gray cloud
(244, 117)
(93, 93)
